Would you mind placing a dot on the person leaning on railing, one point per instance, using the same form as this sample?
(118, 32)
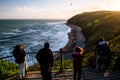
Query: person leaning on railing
(19, 54)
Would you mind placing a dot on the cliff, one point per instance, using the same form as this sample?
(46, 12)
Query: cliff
(97, 24)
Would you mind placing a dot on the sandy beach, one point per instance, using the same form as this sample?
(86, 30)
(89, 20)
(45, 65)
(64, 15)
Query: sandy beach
(76, 38)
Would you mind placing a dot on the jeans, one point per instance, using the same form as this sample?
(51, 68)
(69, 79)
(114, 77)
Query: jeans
(22, 69)
(46, 74)
(101, 63)
(77, 73)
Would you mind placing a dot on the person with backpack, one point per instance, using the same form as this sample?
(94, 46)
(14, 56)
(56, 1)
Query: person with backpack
(45, 60)
(19, 54)
(103, 55)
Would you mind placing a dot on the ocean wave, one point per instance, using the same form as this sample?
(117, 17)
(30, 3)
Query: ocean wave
(34, 37)
(54, 23)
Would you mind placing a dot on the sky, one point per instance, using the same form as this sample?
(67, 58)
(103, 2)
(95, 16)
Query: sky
(52, 9)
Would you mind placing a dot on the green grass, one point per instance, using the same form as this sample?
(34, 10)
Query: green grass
(66, 64)
(7, 69)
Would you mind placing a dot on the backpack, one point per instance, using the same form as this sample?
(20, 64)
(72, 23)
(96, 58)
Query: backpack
(103, 50)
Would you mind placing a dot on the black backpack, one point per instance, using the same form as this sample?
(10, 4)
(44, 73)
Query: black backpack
(103, 50)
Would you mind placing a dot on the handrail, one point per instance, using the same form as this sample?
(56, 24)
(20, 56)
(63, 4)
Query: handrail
(61, 57)
(6, 57)
(30, 62)
(56, 52)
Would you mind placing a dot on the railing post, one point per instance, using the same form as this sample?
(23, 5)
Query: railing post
(61, 60)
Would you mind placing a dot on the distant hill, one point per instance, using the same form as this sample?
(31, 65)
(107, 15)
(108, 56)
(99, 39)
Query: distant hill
(99, 23)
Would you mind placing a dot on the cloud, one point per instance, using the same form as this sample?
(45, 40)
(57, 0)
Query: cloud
(61, 13)
(33, 12)
(26, 9)
(92, 8)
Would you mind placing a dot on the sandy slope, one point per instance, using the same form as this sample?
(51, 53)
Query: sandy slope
(76, 38)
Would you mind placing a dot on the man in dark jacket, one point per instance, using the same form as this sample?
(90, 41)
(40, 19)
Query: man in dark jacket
(45, 59)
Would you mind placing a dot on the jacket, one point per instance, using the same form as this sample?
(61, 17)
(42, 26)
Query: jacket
(19, 56)
(77, 60)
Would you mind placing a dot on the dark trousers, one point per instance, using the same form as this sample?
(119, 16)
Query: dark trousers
(77, 74)
(46, 74)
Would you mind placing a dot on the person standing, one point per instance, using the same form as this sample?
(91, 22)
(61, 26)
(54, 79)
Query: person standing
(19, 54)
(45, 59)
(77, 56)
(103, 55)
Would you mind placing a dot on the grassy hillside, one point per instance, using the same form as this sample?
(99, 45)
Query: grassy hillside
(99, 23)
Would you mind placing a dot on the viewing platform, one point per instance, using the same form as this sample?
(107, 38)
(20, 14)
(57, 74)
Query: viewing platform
(64, 68)
(87, 74)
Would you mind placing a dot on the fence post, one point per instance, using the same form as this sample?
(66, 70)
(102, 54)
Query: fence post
(61, 60)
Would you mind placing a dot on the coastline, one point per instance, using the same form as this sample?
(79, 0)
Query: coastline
(76, 38)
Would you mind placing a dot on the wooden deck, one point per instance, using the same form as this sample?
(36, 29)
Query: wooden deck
(87, 74)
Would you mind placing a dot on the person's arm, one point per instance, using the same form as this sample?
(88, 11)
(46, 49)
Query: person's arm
(37, 55)
(52, 59)
(24, 53)
(14, 54)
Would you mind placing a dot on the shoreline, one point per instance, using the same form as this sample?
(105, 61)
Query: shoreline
(76, 38)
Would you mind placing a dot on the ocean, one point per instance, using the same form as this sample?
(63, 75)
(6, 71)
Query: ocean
(32, 34)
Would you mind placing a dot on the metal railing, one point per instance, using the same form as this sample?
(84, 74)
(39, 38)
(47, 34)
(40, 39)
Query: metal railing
(64, 59)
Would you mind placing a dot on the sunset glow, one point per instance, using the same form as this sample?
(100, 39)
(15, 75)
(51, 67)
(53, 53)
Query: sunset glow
(52, 9)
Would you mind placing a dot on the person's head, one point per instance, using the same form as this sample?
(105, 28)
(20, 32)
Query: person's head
(46, 45)
(101, 39)
(78, 49)
(19, 47)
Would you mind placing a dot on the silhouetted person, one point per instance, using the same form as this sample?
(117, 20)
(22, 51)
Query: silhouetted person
(19, 54)
(103, 55)
(77, 62)
(45, 59)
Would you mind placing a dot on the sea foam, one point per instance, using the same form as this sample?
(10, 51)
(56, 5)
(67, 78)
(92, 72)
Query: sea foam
(33, 36)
